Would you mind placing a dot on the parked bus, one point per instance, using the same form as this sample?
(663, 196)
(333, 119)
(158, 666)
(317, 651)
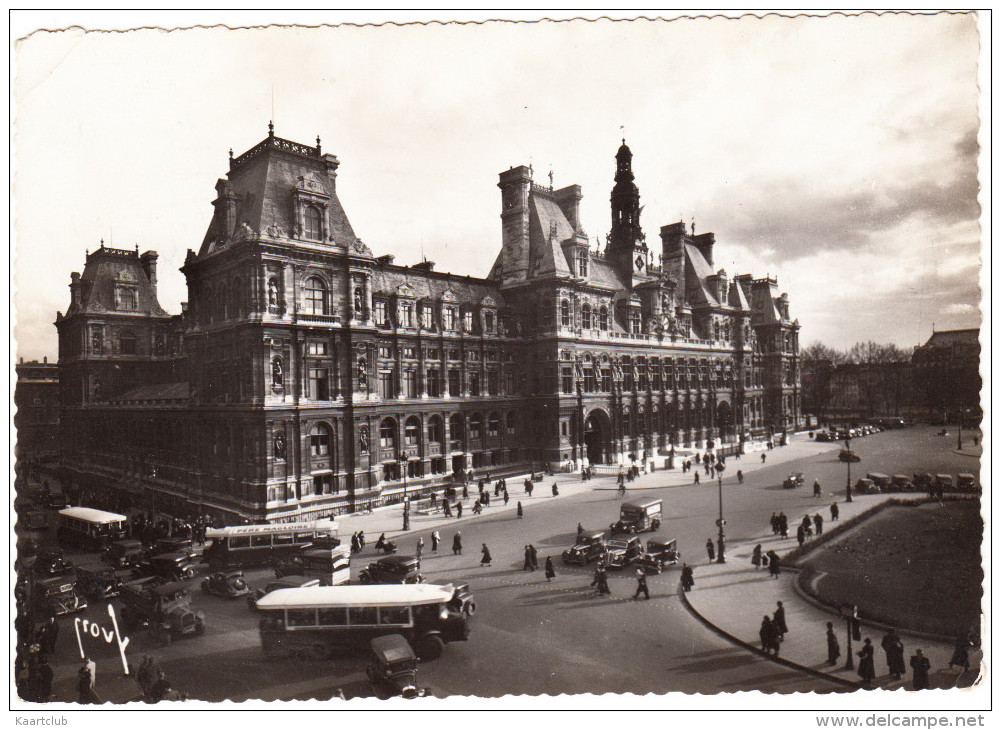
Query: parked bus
(90, 529)
(248, 545)
(322, 619)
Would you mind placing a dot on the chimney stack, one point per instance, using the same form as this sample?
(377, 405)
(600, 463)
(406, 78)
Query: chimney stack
(148, 260)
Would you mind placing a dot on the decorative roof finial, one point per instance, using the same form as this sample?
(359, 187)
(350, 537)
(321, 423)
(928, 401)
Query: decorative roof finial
(102, 243)
(550, 178)
(271, 128)
(317, 144)
(137, 248)
(231, 153)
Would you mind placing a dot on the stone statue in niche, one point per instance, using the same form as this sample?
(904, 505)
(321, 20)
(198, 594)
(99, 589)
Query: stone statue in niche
(274, 230)
(97, 342)
(363, 439)
(272, 292)
(277, 373)
(359, 300)
(362, 373)
(246, 231)
(279, 445)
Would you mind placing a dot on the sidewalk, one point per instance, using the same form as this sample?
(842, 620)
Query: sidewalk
(389, 520)
(732, 598)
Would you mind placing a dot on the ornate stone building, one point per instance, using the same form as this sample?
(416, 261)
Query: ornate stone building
(306, 376)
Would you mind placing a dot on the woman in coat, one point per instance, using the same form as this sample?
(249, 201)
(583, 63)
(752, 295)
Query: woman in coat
(485, 560)
(866, 665)
(521, 512)
(773, 563)
(767, 635)
(550, 569)
(894, 649)
(756, 557)
(833, 648)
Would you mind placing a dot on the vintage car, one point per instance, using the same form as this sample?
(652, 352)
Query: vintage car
(393, 569)
(823, 436)
(296, 581)
(50, 563)
(56, 596)
(228, 584)
(923, 481)
(659, 553)
(172, 566)
(865, 486)
(172, 545)
(901, 483)
(590, 546)
(880, 480)
(97, 582)
(392, 668)
(848, 455)
(642, 516)
(966, 482)
(124, 553)
(943, 482)
(623, 551)
(163, 607)
(793, 480)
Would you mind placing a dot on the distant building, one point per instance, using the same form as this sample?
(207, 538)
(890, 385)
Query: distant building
(306, 377)
(947, 373)
(36, 415)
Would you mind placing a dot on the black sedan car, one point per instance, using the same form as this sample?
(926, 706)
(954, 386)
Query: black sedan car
(393, 569)
(228, 584)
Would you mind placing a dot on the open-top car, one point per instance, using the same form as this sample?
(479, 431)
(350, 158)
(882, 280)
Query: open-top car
(659, 553)
(228, 584)
(623, 551)
(793, 480)
(590, 546)
(393, 569)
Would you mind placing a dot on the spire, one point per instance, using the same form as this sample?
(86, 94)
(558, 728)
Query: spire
(271, 128)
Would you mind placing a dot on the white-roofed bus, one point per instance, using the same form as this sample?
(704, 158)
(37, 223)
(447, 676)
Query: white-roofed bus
(322, 620)
(89, 529)
(249, 545)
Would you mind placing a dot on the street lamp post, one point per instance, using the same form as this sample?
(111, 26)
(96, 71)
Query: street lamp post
(848, 461)
(959, 441)
(406, 499)
(850, 612)
(721, 540)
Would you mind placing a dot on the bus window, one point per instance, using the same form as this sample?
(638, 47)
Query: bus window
(303, 537)
(396, 615)
(302, 617)
(260, 541)
(239, 542)
(362, 615)
(280, 539)
(332, 617)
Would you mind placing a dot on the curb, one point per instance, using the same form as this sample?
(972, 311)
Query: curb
(755, 650)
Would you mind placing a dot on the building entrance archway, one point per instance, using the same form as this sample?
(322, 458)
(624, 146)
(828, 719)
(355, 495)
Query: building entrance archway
(597, 436)
(724, 420)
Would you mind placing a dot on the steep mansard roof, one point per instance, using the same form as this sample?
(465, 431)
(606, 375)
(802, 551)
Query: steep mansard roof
(393, 280)
(105, 269)
(947, 338)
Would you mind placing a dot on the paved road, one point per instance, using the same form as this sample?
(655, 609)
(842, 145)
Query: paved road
(535, 637)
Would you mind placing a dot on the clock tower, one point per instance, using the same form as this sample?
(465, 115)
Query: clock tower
(627, 248)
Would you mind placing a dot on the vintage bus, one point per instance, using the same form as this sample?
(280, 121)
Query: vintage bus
(320, 620)
(89, 529)
(249, 545)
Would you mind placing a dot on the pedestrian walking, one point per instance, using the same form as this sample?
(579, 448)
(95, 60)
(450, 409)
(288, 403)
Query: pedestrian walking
(533, 556)
(48, 635)
(740, 477)
(485, 560)
(457, 544)
(85, 684)
(834, 512)
(807, 526)
(556, 490)
(773, 564)
(961, 653)
(893, 647)
(775, 524)
(465, 491)
(44, 678)
(833, 648)
(420, 547)
(458, 510)
(866, 665)
(783, 525)
(756, 557)
(146, 675)
(768, 637)
(435, 539)
(800, 535)
(696, 481)
(446, 508)
(710, 550)
(550, 569)
(818, 523)
(779, 620)
(528, 559)
(687, 577)
(580, 530)
(601, 580)
(529, 488)
(763, 458)
(641, 586)
(816, 488)
(920, 666)
(521, 512)
(506, 496)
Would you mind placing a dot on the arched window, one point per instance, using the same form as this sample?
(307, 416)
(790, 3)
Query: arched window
(387, 434)
(585, 316)
(412, 431)
(312, 227)
(316, 296)
(436, 430)
(603, 319)
(565, 313)
(319, 440)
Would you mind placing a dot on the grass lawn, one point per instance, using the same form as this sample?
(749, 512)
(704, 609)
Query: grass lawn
(911, 567)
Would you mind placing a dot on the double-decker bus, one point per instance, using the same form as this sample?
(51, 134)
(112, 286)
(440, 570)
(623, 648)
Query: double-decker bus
(320, 620)
(248, 545)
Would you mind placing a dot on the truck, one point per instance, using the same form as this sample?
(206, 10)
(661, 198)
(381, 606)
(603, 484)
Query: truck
(641, 516)
(164, 607)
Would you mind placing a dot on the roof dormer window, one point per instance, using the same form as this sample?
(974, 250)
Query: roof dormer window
(312, 224)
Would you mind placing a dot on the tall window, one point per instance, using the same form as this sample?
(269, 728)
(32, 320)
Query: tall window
(493, 382)
(410, 383)
(448, 314)
(412, 431)
(474, 383)
(456, 432)
(488, 321)
(434, 382)
(585, 316)
(312, 227)
(582, 261)
(407, 314)
(127, 343)
(319, 440)
(436, 430)
(318, 384)
(635, 322)
(387, 387)
(511, 423)
(476, 426)
(566, 380)
(494, 425)
(387, 434)
(467, 321)
(126, 298)
(380, 313)
(427, 317)
(603, 319)
(606, 380)
(565, 313)
(316, 296)
(454, 383)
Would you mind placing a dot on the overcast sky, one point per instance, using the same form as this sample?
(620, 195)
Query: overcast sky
(839, 154)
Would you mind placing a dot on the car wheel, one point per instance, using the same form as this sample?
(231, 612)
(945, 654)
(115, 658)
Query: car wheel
(364, 578)
(430, 648)
(471, 608)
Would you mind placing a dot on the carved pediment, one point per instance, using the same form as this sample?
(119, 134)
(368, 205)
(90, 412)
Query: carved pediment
(126, 275)
(405, 290)
(488, 301)
(311, 183)
(449, 296)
